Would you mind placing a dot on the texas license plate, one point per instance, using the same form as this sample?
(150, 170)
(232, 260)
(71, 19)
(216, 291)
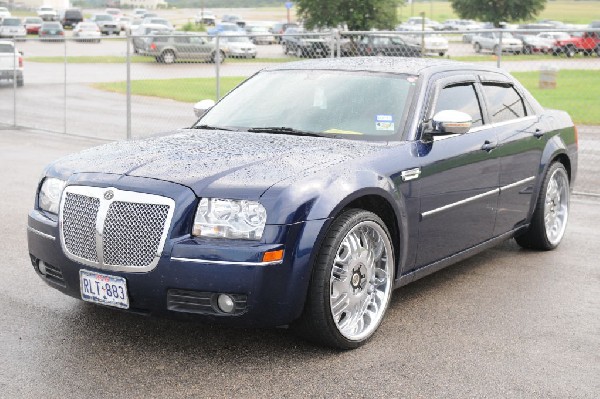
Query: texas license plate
(104, 289)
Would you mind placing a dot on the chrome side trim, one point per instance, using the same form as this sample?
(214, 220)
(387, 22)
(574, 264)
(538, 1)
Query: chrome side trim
(517, 183)
(458, 203)
(39, 233)
(225, 262)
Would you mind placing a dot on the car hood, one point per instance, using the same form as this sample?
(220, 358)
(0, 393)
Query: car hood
(218, 163)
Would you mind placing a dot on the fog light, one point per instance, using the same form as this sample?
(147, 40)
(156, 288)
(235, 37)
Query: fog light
(42, 267)
(226, 304)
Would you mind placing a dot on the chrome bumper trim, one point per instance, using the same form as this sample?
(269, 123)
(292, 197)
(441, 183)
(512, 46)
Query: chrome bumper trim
(39, 233)
(224, 262)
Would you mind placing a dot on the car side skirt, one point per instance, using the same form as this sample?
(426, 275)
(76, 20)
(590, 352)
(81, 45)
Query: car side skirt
(440, 264)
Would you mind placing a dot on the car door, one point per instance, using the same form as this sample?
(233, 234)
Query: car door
(459, 177)
(201, 48)
(521, 141)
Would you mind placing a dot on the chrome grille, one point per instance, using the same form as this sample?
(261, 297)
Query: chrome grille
(132, 232)
(79, 226)
(114, 229)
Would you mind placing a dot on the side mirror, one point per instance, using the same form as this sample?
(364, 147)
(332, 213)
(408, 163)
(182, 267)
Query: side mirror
(449, 122)
(201, 107)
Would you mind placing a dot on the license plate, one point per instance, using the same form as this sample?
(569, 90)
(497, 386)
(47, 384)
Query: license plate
(104, 289)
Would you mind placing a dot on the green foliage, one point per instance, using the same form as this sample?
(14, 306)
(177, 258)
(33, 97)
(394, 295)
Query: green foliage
(356, 14)
(497, 11)
(192, 27)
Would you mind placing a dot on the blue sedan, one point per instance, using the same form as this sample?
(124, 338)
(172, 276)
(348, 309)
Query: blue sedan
(307, 195)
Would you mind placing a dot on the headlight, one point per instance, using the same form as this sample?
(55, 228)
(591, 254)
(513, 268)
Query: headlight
(50, 192)
(226, 218)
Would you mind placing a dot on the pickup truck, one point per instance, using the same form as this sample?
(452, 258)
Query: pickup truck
(586, 43)
(11, 62)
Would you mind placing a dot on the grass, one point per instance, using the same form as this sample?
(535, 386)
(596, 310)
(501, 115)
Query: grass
(136, 59)
(574, 12)
(189, 90)
(576, 91)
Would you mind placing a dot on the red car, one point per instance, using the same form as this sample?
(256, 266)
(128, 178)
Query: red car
(33, 24)
(585, 42)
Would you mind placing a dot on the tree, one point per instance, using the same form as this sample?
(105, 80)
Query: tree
(497, 11)
(357, 14)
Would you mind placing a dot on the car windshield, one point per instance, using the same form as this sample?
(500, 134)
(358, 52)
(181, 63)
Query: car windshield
(159, 21)
(359, 105)
(104, 17)
(239, 39)
(33, 21)
(11, 22)
(51, 26)
(88, 26)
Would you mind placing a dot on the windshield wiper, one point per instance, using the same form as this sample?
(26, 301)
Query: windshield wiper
(284, 130)
(209, 127)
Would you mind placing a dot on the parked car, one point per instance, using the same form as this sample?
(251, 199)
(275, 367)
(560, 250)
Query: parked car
(4, 13)
(106, 23)
(535, 43)
(139, 12)
(115, 12)
(12, 27)
(71, 17)
(11, 63)
(587, 43)
(491, 41)
(32, 25)
(87, 32)
(134, 25)
(419, 21)
(143, 34)
(125, 23)
(434, 43)
(301, 43)
(387, 45)
(52, 31)
(461, 24)
(225, 27)
(47, 13)
(307, 195)
(260, 35)
(279, 28)
(182, 47)
(205, 17)
(235, 45)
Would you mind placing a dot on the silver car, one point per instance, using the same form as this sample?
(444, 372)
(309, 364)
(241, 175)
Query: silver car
(491, 41)
(168, 48)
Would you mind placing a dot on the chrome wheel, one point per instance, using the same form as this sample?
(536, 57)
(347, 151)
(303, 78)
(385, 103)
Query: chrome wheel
(361, 280)
(556, 206)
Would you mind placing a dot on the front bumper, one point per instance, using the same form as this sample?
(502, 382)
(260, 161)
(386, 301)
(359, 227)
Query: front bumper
(271, 294)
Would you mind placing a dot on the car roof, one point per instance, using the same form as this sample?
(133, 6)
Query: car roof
(399, 65)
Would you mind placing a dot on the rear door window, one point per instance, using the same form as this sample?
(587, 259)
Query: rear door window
(504, 103)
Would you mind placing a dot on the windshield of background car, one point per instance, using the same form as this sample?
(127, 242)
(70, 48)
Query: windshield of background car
(6, 48)
(351, 104)
(105, 17)
(11, 22)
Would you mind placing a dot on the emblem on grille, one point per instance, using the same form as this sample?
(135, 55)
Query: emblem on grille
(109, 195)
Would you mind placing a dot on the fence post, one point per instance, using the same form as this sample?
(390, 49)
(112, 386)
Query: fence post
(15, 62)
(333, 45)
(217, 66)
(128, 68)
(499, 53)
(65, 89)
(338, 43)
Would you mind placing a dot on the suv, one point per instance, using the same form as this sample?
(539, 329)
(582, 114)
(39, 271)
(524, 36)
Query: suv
(11, 62)
(491, 41)
(170, 48)
(586, 43)
(297, 41)
(47, 13)
(387, 45)
(71, 17)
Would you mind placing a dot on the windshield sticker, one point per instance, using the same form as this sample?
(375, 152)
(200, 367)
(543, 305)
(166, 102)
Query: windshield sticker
(384, 122)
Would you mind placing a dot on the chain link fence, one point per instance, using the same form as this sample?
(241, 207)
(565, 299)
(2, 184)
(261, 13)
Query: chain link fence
(136, 86)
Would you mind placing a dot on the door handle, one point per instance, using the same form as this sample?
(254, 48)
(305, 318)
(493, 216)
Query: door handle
(538, 133)
(489, 145)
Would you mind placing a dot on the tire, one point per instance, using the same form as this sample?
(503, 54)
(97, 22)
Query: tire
(220, 58)
(597, 51)
(552, 204)
(527, 50)
(351, 283)
(477, 47)
(285, 48)
(495, 49)
(569, 51)
(20, 82)
(441, 53)
(168, 57)
(299, 52)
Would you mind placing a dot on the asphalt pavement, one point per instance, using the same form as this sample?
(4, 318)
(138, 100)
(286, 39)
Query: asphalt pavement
(505, 323)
